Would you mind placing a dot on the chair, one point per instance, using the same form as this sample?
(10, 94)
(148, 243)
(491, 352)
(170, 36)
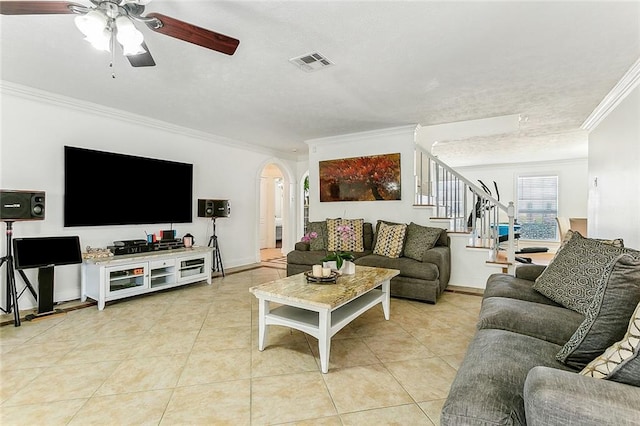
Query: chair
(578, 224)
(563, 226)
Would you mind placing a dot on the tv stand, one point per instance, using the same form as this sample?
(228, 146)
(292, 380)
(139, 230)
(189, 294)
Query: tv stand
(112, 278)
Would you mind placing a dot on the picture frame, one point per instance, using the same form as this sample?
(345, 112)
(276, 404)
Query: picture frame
(369, 178)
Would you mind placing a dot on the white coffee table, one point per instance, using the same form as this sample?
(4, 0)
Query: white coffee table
(321, 310)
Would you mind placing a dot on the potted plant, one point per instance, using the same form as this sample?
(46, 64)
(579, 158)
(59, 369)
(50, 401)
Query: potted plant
(339, 257)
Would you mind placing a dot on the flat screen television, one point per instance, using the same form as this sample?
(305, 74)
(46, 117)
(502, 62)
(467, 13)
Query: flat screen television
(39, 252)
(106, 188)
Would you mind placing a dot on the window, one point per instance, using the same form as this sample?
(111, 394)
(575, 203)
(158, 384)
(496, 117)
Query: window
(537, 207)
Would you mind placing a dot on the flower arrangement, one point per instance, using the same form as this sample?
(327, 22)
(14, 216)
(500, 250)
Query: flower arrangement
(346, 234)
(309, 236)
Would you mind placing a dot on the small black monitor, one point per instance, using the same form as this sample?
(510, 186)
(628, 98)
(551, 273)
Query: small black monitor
(38, 252)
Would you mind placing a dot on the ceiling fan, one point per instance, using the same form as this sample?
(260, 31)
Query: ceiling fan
(106, 21)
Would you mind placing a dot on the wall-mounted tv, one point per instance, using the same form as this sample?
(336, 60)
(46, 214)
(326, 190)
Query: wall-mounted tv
(106, 188)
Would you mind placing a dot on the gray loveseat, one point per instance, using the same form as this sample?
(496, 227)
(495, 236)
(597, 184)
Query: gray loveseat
(525, 364)
(423, 279)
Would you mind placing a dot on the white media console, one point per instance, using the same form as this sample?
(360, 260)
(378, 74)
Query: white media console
(112, 278)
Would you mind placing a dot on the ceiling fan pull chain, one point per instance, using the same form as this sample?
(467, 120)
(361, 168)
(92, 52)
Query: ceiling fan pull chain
(112, 64)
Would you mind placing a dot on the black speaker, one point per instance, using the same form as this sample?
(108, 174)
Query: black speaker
(21, 205)
(213, 208)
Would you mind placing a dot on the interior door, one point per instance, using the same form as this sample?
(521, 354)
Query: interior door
(263, 212)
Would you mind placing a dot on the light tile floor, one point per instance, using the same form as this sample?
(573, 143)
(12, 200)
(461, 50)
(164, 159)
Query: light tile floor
(189, 356)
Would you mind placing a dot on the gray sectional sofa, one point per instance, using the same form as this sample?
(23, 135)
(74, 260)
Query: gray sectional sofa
(535, 361)
(424, 279)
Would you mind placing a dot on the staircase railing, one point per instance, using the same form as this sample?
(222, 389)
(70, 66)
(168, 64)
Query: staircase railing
(469, 208)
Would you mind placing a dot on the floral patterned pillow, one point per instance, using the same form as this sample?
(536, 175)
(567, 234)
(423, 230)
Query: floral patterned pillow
(345, 235)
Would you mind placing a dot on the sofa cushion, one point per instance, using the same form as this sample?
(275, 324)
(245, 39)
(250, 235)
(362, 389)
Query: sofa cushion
(572, 276)
(443, 240)
(621, 361)
(420, 239)
(607, 317)
(377, 232)
(505, 285)
(314, 257)
(408, 267)
(554, 324)
(320, 228)
(561, 398)
(529, 271)
(345, 235)
(311, 257)
(390, 240)
(488, 386)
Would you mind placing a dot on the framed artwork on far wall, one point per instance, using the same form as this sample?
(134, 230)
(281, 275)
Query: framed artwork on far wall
(371, 178)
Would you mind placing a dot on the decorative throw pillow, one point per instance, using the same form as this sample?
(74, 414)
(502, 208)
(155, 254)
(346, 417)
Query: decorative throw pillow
(390, 240)
(375, 235)
(320, 242)
(616, 242)
(345, 235)
(572, 276)
(420, 239)
(620, 362)
(607, 318)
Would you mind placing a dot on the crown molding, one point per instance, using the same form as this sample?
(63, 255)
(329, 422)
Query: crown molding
(627, 83)
(352, 137)
(42, 96)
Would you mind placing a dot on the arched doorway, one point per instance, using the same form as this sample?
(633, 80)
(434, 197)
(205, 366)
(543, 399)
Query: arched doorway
(273, 208)
(304, 202)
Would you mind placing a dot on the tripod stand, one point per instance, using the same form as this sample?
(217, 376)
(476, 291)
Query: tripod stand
(216, 264)
(12, 291)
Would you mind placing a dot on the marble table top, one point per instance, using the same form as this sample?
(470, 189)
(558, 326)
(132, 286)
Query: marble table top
(147, 255)
(322, 295)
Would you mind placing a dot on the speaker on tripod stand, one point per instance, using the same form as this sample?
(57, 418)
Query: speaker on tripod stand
(214, 209)
(17, 206)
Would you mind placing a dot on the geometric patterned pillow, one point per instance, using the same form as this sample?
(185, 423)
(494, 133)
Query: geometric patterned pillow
(390, 240)
(377, 231)
(621, 361)
(345, 235)
(571, 278)
(616, 297)
(420, 239)
(616, 242)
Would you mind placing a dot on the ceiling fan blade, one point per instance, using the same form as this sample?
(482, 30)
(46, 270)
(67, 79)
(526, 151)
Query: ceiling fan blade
(193, 34)
(37, 7)
(143, 59)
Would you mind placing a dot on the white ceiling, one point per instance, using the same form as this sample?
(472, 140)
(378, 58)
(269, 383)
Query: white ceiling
(396, 63)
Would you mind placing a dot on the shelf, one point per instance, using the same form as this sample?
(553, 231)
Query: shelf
(128, 275)
(125, 277)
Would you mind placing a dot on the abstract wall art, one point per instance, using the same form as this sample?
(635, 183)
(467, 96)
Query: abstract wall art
(371, 178)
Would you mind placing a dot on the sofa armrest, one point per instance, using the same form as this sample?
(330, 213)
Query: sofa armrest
(529, 272)
(441, 257)
(557, 397)
(302, 246)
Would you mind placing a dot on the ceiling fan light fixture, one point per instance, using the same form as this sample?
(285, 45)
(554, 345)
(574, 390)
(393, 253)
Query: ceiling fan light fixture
(128, 36)
(91, 23)
(130, 49)
(95, 26)
(101, 41)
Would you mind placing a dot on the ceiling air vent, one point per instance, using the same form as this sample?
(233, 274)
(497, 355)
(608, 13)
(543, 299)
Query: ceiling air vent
(311, 62)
